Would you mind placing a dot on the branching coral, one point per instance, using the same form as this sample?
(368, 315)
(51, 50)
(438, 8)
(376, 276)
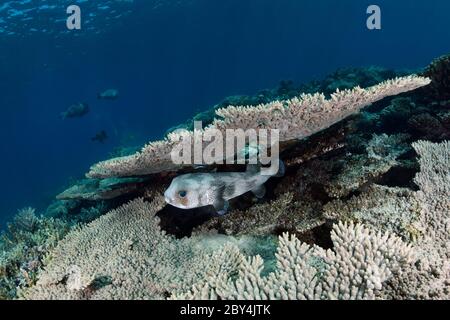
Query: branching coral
(296, 118)
(362, 260)
(430, 276)
(23, 247)
(422, 217)
(124, 255)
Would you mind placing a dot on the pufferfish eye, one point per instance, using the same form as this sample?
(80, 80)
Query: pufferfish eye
(182, 194)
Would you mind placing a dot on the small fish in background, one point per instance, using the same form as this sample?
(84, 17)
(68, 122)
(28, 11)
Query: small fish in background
(75, 111)
(194, 190)
(101, 137)
(110, 94)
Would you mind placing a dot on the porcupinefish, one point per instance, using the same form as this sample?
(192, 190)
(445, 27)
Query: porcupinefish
(194, 190)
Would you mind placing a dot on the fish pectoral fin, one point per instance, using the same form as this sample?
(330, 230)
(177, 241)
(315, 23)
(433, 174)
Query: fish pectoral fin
(259, 191)
(221, 206)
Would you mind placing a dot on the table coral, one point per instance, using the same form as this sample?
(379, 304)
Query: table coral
(296, 118)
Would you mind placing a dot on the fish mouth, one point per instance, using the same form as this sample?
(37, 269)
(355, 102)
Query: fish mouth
(168, 199)
(174, 204)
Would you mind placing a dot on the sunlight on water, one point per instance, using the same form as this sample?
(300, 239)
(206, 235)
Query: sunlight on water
(29, 17)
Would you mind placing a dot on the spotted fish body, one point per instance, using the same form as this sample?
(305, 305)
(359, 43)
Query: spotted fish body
(196, 190)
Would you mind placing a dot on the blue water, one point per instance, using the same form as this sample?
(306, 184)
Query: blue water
(170, 59)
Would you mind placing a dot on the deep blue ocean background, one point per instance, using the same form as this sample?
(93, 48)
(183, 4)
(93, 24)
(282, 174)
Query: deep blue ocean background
(169, 60)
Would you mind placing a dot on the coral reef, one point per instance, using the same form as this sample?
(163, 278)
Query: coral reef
(266, 218)
(429, 277)
(124, 255)
(348, 78)
(357, 170)
(299, 198)
(439, 72)
(429, 127)
(296, 119)
(345, 78)
(23, 248)
(92, 189)
(422, 217)
(388, 209)
(352, 186)
(362, 260)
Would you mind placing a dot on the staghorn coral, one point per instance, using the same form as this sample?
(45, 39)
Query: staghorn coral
(296, 118)
(124, 255)
(75, 212)
(362, 260)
